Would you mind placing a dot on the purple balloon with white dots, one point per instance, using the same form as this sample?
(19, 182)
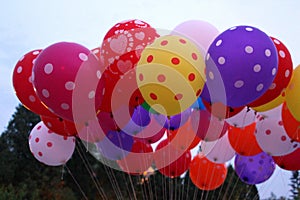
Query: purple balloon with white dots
(254, 169)
(241, 64)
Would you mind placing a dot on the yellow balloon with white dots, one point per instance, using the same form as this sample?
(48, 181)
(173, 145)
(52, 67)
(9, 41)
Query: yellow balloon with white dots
(170, 74)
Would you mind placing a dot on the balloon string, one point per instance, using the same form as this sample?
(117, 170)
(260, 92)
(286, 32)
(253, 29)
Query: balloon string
(76, 182)
(89, 169)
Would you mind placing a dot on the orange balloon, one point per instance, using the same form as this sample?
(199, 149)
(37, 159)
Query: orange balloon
(205, 174)
(184, 137)
(290, 124)
(243, 140)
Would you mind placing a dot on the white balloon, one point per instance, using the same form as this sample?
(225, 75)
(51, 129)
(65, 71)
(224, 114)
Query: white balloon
(50, 148)
(218, 151)
(272, 137)
(244, 118)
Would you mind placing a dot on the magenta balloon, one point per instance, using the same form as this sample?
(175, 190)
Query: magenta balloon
(65, 76)
(245, 60)
(200, 32)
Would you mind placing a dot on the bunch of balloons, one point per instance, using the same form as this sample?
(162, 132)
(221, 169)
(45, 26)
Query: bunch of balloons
(145, 99)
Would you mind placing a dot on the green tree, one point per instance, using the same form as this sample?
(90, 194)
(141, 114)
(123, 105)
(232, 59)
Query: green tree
(295, 185)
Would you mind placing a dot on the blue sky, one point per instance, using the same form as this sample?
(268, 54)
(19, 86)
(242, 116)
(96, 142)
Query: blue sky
(28, 25)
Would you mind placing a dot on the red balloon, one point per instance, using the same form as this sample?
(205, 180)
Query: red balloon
(243, 140)
(138, 160)
(282, 78)
(207, 126)
(290, 124)
(59, 126)
(22, 82)
(171, 161)
(220, 110)
(184, 137)
(290, 161)
(205, 174)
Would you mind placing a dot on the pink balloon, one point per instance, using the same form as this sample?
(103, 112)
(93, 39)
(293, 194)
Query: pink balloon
(50, 148)
(201, 32)
(65, 76)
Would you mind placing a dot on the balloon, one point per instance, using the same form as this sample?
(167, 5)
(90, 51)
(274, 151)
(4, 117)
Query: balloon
(282, 78)
(207, 126)
(292, 94)
(220, 110)
(138, 160)
(126, 38)
(243, 140)
(200, 32)
(272, 137)
(198, 104)
(116, 145)
(91, 131)
(60, 126)
(290, 124)
(184, 137)
(244, 60)
(170, 74)
(289, 161)
(22, 83)
(274, 113)
(74, 73)
(254, 169)
(97, 51)
(272, 104)
(171, 168)
(50, 148)
(244, 118)
(219, 151)
(205, 174)
(175, 121)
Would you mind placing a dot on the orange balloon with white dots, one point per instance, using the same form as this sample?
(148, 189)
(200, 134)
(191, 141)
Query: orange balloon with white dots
(170, 74)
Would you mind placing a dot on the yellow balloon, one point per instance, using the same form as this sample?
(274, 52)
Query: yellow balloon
(293, 94)
(170, 74)
(272, 104)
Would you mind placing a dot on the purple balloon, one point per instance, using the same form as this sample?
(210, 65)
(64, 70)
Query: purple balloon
(116, 145)
(175, 121)
(241, 65)
(141, 116)
(254, 169)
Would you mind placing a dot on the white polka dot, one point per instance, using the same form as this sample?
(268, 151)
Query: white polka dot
(19, 69)
(207, 56)
(221, 60)
(257, 68)
(249, 29)
(287, 73)
(259, 87)
(239, 84)
(91, 94)
(45, 93)
(211, 75)
(83, 57)
(30, 79)
(49, 124)
(98, 74)
(274, 70)
(268, 52)
(65, 106)
(249, 49)
(281, 54)
(95, 51)
(69, 85)
(219, 42)
(35, 52)
(32, 98)
(273, 86)
(48, 68)
(276, 41)
(233, 28)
